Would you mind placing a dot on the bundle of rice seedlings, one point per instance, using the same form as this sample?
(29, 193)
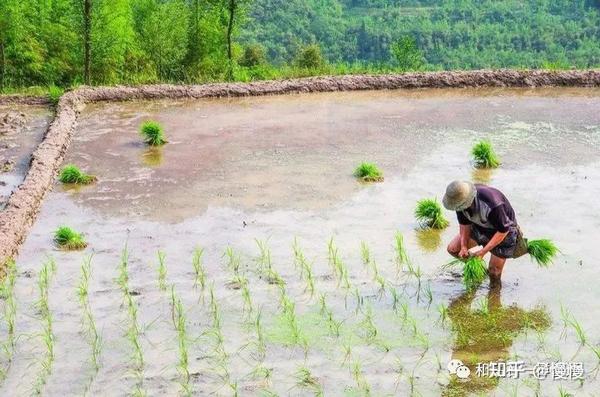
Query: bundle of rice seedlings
(368, 172)
(542, 251)
(484, 155)
(153, 133)
(68, 239)
(429, 214)
(72, 174)
(474, 270)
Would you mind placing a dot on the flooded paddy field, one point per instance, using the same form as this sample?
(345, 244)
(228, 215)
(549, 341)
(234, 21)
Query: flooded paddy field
(243, 258)
(22, 128)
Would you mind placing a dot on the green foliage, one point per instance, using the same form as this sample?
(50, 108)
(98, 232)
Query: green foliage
(368, 172)
(153, 133)
(69, 239)
(429, 213)
(484, 155)
(54, 94)
(542, 251)
(407, 54)
(254, 55)
(309, 57)
(72, 174)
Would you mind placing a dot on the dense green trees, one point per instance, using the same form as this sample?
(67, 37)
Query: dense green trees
(69, 42)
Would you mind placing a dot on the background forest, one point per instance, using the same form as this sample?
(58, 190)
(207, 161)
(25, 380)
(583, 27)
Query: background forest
(70, 42)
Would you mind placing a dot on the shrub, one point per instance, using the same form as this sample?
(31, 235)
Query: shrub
(153, 133)
(542, 251)
(67, 238)
(484, 155)
(309, 57)
(254, 55)
(429, 213)
(72, 174)
(368, 172)
(54, 94)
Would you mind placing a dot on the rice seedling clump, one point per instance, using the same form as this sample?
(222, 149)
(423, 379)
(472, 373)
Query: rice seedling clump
(484, 155)
(72, 174)
(368, 172)
(542, 251)
(474, 270)
(68, 239)
(153, 133)
(429, 214)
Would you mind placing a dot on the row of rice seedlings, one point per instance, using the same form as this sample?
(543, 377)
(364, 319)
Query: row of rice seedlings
(216, 331)
(180, 324)
(7, 292)
(88, 320)
(133, 330)
(307, 381)
(305, 267)
(338, 266)
(44, 278)
(162, 271)
(265, 265)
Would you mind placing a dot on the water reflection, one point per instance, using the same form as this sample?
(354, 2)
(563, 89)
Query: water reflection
(152, 156)
(485, 333)
(429, 239)
(482, 175)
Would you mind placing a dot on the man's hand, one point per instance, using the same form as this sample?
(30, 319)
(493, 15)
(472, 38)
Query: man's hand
(481, 253)
(464, 252)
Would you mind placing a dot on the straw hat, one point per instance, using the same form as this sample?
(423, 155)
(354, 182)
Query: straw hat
(459, 195)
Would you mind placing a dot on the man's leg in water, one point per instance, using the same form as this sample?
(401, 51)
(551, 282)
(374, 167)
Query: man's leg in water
(495, 268)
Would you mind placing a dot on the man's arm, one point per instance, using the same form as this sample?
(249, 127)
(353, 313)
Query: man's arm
(494, 241)
(465, 236)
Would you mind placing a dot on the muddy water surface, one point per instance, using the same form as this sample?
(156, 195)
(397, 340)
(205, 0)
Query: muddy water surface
(279, 168)
(19, 136)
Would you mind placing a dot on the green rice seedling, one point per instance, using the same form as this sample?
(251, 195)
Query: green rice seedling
(233, 260)
(306, 380)
(162, 271)
(365, 253)
(88, 321)
(45, 275)
(428, 293)
(288, 310)
(133, 330)
(260, 335)
(199, 271)
(570, 321)
(264, 258)
(474, 270)
(542, 251)
(359, 300)
(443, 311)
(359, 379)
(305, 267)
(368, 172)
(68, 239)
(339, 267)
(367, 325)
(180, 323)
(429, 214)
(395, 299)
(484, 155)
(401, 254)
(7, 292)
(153, 133)
(71, 174)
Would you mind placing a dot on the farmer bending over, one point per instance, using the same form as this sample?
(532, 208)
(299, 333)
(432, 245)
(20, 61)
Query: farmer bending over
(486, 219)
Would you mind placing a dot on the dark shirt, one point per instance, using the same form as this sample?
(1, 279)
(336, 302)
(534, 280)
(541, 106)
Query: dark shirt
(490, 212)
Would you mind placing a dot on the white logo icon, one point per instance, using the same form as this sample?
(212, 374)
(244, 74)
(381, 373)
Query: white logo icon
(457, 367)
